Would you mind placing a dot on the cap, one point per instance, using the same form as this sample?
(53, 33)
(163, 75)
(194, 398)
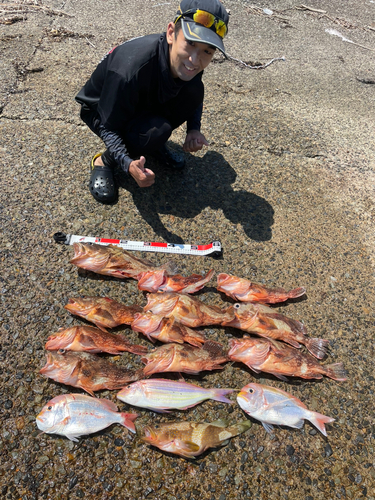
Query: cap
(197, 32)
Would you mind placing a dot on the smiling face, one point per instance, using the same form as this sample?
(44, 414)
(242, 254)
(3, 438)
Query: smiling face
(187, 59)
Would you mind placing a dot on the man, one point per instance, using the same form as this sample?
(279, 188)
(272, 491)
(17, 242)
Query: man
(144, 89)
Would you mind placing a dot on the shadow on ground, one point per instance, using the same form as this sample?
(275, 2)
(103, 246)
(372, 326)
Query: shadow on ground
(205, 182)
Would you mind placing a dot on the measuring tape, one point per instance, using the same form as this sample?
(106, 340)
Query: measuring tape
(213, 249)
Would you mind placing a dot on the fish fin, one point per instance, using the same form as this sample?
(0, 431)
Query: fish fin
(186, 446)
(317, 347)
(215, 349)
(296, 292)
(170, 267)
(268, 427)
(73, 437)
(219, 395)
(151, 281)
(336, 371)
(239, 428)
(279, 376)
(220, 423)
(198, 285)
(319, 420)
(127, 421)
(108, 404)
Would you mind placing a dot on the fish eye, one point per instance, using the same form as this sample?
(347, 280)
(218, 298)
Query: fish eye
(49, 408)
(251, 391)
(236, 306)
(156, 426)
(61, 351)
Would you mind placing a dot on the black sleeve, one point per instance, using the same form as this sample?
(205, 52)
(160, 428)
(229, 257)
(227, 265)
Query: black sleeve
(194, 123)
(115, 146)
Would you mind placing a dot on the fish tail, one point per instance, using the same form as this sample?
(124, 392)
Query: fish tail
(336, 371)
(317, 347)
(170, 267)
(127, 420)
(219, 395)
(319, 420)
(239, 428)
(296, 292)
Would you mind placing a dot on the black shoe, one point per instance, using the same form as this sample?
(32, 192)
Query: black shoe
(102, 183)
(170, 158)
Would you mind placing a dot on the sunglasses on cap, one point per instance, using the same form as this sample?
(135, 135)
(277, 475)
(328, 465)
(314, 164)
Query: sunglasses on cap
(207, 20)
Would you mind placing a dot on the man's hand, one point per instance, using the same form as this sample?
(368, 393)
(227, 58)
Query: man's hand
(144, 177)
(194, 141)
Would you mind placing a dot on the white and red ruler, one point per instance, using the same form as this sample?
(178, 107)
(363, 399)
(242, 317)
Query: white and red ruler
(213, 248)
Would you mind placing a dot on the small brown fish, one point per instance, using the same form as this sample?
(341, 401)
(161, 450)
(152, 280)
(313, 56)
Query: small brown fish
(102, 311)
(245, 291)
(87, 371)
(111, 260)
(90, 339)
(187, 310)
(159, 281)
(262, 355)
(266, 322)
(166, 330)
(190, 439)
(184, 358)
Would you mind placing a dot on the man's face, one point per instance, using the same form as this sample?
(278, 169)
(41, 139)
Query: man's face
(186, 58)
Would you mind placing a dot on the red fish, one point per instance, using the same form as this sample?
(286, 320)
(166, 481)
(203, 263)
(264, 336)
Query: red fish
(184, 358)
(87, 371)
(90, 339)
(159, 281)
(113, 261)
(246, 291)
(166, 330)
(103, 311)
(262, 355)
(266, 322)
(187, 310)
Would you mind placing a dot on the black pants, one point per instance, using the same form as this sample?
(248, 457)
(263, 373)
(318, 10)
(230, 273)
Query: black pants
(149, 131)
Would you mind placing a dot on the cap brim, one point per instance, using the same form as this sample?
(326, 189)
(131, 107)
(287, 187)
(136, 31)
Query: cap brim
(197, 33)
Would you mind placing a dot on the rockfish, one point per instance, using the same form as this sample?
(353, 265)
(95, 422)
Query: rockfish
(87, 371)
(262, 355)
(266, 322)
(189, 439)
(75, 415)
(184, 358)
(159, 281)
(90, 339)
(161, 395)
(246, 291)
(113, 261)
(187, 310)
(166, 330)
(276, 407)
(102, 311)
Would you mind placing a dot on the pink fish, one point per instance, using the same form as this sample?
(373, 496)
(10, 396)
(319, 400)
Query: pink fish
(276, 407)
(102, 311)
(113, 261)
(246, 291)
(166, 330)
(266, 322)
(161, 395)
(187, 310)
(90, 339)
(159, 281)
(184, 358)
(75, 415)
(262, 355)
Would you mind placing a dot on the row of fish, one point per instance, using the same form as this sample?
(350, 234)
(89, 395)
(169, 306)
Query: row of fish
(74, 415)
(113, 261)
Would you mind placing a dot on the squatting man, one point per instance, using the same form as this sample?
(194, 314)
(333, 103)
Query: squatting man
(144, 89)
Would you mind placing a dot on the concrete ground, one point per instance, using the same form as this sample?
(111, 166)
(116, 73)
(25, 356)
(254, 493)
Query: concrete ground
(287, 186)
